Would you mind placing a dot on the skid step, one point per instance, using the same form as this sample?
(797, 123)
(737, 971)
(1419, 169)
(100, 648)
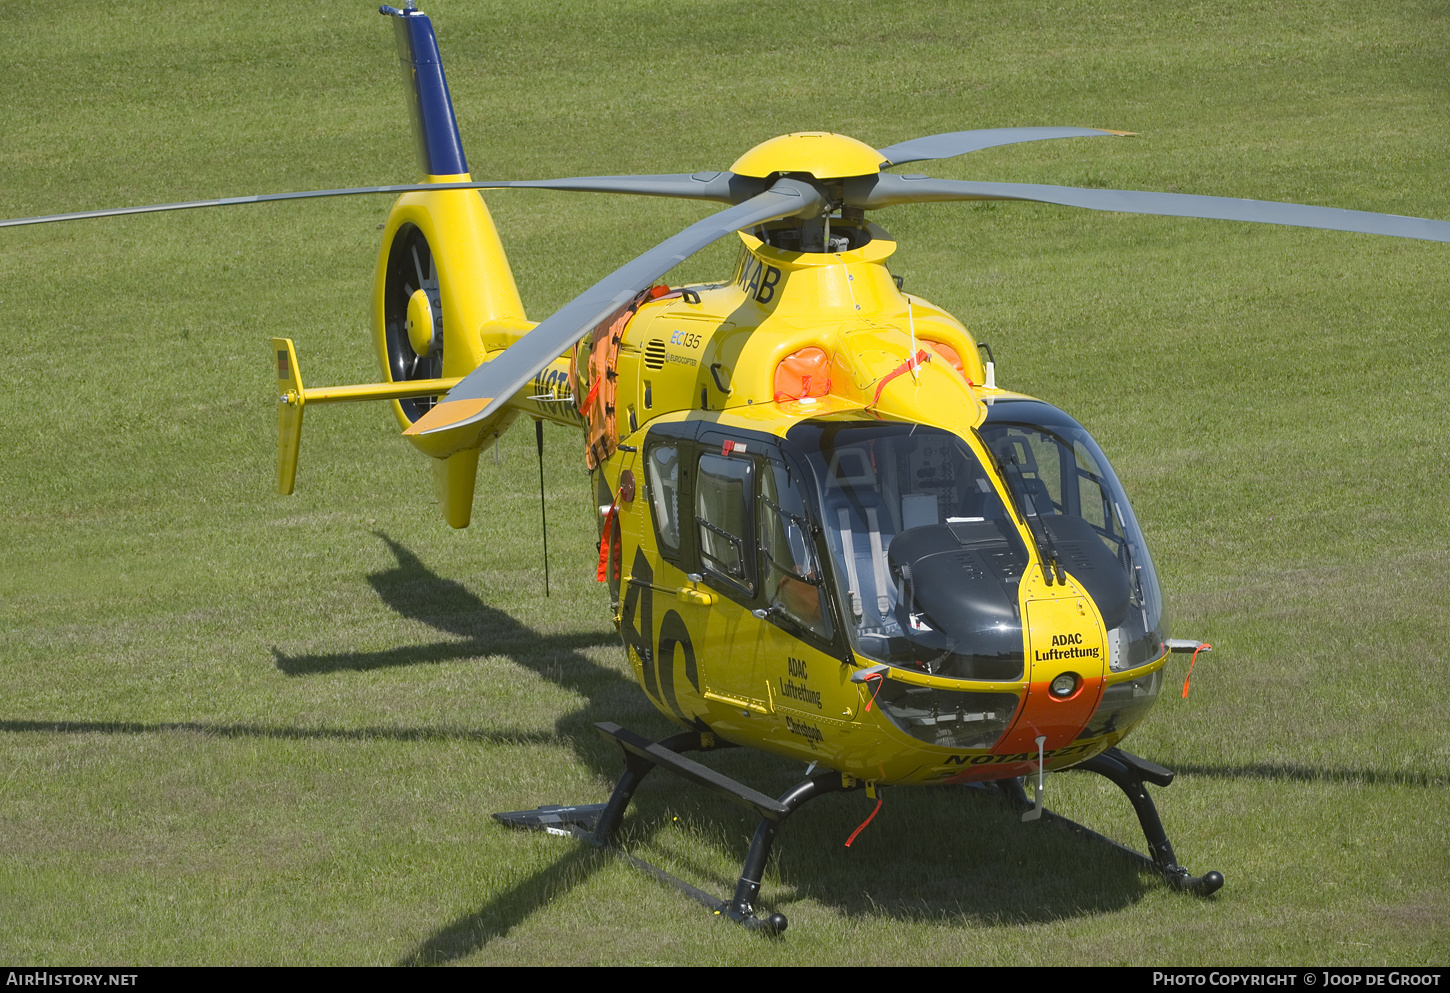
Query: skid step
(577, 821)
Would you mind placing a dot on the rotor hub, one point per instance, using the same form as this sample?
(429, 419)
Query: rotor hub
(420, 322)
(815, 153)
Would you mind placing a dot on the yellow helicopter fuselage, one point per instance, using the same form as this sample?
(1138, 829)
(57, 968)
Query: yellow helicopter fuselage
(759, 446)
(827, 533)
(719, 636)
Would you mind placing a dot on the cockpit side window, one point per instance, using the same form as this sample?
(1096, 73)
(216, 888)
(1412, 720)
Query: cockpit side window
(1082, 506)
(724, 488)
(1062, 477)
(792, 575)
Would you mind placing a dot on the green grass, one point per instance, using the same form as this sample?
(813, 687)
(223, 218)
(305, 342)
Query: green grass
(241, 728)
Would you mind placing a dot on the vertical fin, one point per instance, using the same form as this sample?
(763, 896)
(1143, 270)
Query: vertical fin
(435, 129)
(453, 482)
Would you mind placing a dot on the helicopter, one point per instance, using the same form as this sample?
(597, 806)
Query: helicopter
(826, 531)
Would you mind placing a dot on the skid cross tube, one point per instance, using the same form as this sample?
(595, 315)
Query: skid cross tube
(642, 755)
(1129, 772)
(596, 823)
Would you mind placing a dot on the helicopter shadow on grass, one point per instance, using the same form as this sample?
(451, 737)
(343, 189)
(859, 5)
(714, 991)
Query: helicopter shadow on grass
(413, 591)
(480, 631)
(968, 858)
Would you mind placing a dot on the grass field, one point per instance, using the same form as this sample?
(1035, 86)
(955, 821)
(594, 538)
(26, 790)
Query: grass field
(242, 728)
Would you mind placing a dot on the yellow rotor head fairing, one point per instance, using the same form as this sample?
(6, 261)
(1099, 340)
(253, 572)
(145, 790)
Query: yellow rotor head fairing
(817, 153)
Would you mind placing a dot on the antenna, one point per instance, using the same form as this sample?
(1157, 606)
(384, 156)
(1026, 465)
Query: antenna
(543, 513)
(911, 322)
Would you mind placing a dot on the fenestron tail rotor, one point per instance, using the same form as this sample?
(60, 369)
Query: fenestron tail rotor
(412, 315)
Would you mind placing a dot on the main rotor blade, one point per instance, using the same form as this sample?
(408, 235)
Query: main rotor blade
(485, 391)
(870, 192)
(722, 187)
(233, 201)
(945, 146)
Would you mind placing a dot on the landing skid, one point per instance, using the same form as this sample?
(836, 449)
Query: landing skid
(596, 823)
(1129, 773)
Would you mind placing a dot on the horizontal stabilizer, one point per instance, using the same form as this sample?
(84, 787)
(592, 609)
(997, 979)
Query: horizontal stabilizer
(293, 397)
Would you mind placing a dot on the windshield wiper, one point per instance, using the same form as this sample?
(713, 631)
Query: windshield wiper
(1027, 510)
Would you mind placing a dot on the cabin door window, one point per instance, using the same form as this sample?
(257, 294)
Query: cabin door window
(663, 467)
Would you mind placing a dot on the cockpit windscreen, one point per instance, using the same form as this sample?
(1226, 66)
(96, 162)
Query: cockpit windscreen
(925, 558)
